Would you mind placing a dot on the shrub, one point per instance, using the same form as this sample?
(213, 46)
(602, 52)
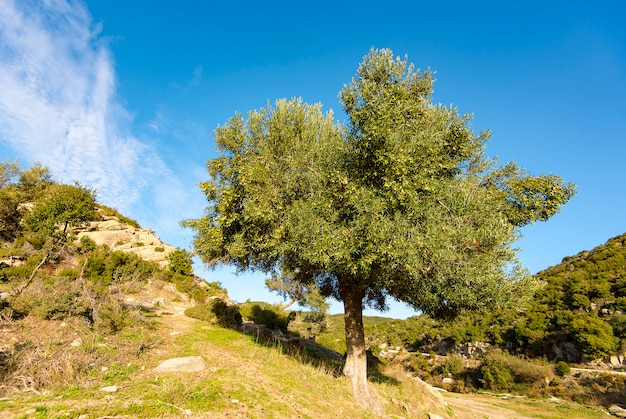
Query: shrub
(501, 371)
(111, 212)
(216, 311)
(114, 316)
(267, 314)
(562, 369)
(453, 365)
(180, 262)
(593, 336)
(495, 374)
(188, 285)
(309, 325)
(86, 244)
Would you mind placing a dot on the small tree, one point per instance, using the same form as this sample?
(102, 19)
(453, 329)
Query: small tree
(180, 262)
(8, 171)
(33, 181)
(62, 206)
(400, 203)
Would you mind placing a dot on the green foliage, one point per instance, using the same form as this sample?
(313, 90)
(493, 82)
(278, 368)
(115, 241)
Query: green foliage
(454, 365)
(216, 311)
(308, 325)
(180, 262)
(496, 374)
(189, 285)
(503, 372)
(400, 202)
(107, 267)
(593, 336)
(10, 216)
(33, 181)
(111, 212)
(307, 295)
(8, 171)
(61, 206)
(618, 324)
(87, 245)
(267, 314)
(562, 369)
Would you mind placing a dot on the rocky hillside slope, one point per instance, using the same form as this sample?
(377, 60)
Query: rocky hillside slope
(119, 235)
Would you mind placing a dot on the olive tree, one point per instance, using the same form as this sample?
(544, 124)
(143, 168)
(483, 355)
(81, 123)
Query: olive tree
(401, 202)
(62, 206)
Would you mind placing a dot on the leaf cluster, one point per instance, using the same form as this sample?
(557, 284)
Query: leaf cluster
(398, 202)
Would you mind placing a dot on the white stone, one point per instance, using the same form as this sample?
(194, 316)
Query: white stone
(185, 364)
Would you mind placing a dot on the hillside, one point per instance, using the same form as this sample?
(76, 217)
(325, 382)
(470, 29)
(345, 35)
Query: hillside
(242, 376)
(568, 342)
(92, 304)
(577, 317)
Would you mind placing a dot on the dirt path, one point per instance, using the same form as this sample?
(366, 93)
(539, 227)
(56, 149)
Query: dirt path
(472, 408)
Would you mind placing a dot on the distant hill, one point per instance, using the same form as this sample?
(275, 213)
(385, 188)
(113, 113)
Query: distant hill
(578, 317)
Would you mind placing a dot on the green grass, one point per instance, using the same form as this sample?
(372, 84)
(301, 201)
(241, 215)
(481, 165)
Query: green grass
(246, 377)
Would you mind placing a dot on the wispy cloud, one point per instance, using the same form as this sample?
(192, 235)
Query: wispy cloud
(58, 104)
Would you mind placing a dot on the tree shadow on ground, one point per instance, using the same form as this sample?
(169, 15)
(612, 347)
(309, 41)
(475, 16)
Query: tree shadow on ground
(305, 351)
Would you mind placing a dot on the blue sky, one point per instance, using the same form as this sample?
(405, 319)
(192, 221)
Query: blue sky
(123, 95)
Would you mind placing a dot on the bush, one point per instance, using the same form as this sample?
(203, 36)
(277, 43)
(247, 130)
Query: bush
(562, 369)
(114, 316)
(593, 336)
(189, 285)
(495, 374)
(216, 311)
(267, 314)
(180, 262)
(309, 325)
(453, 365)
(501, 371)
(87, 245)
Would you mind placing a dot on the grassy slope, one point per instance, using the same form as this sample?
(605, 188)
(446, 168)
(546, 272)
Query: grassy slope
(246, 378)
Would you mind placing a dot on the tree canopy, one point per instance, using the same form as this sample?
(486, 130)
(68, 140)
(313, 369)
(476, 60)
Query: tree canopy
(400, 202)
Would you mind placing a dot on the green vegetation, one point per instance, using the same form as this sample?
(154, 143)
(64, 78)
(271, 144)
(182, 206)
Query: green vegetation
(49, 278)
(400, 202)
(72, 321)
(216, 311)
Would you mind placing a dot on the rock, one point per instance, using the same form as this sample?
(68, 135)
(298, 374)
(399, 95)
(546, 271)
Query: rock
(472, 350)
(110, 389)
(76, 342)
(433, 416)
(127, 238)
(615, 410)
(185, 364)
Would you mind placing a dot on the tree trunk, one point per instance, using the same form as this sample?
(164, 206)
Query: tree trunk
(355, 367)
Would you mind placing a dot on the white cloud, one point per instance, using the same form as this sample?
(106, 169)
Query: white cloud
(58, 105)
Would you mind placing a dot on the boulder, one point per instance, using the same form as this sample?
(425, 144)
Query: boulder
(184, 364)
(618, 411)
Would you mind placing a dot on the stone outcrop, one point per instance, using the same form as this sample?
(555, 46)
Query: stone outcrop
(120, 236)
